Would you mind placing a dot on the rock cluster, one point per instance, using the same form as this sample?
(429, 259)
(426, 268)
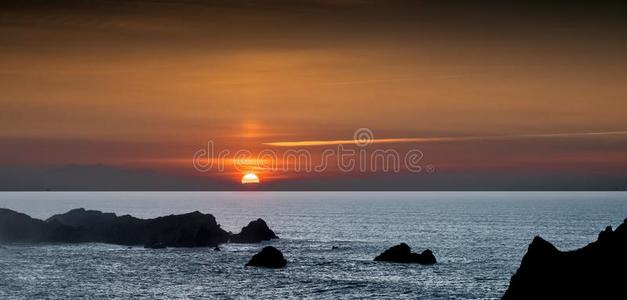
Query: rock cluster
(193, 229)
(402, 254)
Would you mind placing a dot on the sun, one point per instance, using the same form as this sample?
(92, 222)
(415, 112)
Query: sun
(250, 178)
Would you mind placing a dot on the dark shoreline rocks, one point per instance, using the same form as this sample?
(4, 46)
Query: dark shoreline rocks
(401, 253)
(268, 257)
(596, 271)
(86, 218)
(18, 227)
(193, 229)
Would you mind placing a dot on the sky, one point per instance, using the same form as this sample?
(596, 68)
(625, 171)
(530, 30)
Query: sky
(522, 95)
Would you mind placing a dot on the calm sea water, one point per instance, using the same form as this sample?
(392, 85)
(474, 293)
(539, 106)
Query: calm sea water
(478, 239)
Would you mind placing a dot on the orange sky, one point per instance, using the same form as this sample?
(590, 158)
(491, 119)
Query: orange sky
(141, 83)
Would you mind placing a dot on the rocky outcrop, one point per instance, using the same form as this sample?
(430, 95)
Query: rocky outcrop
(79, 225)
(187, 230)
(402, 254)
(268, 257)
(255, 232)
(596, 271)
(80, 217)
(18, 227)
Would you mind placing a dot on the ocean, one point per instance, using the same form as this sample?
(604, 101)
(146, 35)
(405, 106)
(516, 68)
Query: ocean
(478, 239)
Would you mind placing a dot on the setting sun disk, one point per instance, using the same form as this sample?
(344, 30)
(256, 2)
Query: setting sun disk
(250, 178)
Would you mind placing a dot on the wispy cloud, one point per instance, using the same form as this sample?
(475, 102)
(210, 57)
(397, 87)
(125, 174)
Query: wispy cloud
(388, 80)
(444, 139)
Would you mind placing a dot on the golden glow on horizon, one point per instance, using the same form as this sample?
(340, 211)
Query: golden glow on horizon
(250, 178)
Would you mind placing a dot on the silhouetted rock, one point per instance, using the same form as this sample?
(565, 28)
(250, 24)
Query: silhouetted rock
(596, 271)
(217, 248)
(187, 230)
(79, 225)
(80, 217)
(402, 254)
(19, 228)
(255, 232)
(93, 225)
(268, 257)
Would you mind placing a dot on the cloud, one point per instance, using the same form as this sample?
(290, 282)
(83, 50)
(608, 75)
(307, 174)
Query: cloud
(444, 139)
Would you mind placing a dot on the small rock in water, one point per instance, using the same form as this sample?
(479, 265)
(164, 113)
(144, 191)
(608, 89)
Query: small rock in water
(217, 249)
(402, 254)
(268, 257)
(157, 245)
